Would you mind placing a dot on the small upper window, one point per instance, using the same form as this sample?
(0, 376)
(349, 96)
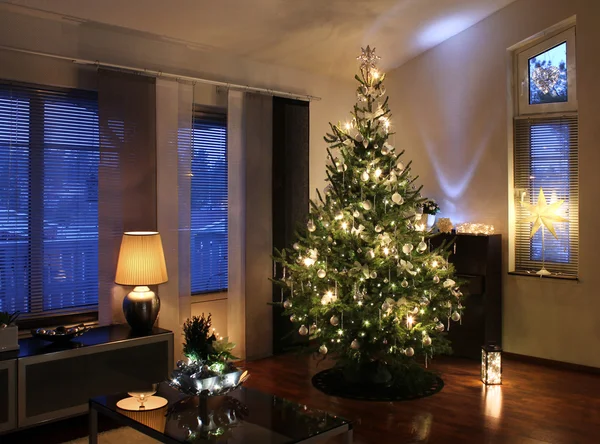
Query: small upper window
(547, 75)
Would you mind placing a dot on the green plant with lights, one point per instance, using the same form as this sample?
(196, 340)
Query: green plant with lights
(361, 279)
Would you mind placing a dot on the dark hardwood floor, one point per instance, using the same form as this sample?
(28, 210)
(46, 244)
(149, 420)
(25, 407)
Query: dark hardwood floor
(535, 405)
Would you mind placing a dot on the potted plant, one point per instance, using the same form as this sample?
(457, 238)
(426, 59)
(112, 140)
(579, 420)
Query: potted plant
(208, 370)
(430, 208)
(9, 332)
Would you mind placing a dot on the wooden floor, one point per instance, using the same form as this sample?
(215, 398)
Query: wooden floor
(534, 405)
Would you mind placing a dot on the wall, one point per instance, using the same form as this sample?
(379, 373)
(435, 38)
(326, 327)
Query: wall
(452, 112)
(53, 34)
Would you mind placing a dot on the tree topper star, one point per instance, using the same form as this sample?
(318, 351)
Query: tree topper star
(368, 58)
(542, 214)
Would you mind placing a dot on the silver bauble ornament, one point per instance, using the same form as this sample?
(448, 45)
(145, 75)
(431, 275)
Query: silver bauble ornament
(293, 318)
(303, 330)
(364, 176)
(404, 283)
(400, 166)
(356, 214)
(334, 320)
(323, 350)
(385, 149)
(366, 205)
(409, 351)
(397, 199)
(321, 273)
(407, 248)
(373, 275)
(296, 246)
(426, 340)
(287, 304)
(378, 228)
(436, 279)
(456, 316)
(440, 327)
(422, 246)
(354, 345)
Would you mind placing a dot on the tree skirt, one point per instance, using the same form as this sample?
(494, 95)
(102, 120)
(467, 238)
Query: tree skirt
(333, 383)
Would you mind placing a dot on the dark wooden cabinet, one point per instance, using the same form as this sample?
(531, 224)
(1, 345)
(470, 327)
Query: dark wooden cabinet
(478, 263)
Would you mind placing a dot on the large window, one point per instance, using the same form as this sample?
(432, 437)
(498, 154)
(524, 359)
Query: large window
(208, 227)
(49, 156)
(546, 156)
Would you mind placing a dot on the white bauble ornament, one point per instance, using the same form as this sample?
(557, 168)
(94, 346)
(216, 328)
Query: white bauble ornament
(409, 351)
(287, 304)
(293, 318)
(373, 275)
(397, 199)
(426, 340)
(378, 228)
(321, 273)
(366, 205)
(341, 167)
(456, 316)
(312, 329)
(334, 320)
(404, 283)
(400, 166)
(296, 246)
(422, 246)
(323, 350)
(311, 226)
(356, 214)
(440, 327)
(378, 173)
(359, 137)
(354, 345)
(364, 176)
(407, 248)
(303, 330)
(436, 279)
(385, 149)
(415, 310)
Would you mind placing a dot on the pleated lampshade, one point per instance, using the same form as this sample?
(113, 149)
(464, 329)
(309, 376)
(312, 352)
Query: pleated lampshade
(141, 259)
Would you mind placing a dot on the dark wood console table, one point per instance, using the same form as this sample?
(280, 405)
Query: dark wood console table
(44, 382)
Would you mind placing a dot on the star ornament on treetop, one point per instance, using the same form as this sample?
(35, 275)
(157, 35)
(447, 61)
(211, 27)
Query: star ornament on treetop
(542, 214)
(368, 58)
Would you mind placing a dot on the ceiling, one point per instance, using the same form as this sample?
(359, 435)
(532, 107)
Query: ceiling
(322, 36)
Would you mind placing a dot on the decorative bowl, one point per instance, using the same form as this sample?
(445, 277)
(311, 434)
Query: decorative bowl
(195, 385)
(59, 334)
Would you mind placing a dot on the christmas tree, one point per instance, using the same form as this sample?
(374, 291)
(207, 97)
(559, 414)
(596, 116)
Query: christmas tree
(361, 279)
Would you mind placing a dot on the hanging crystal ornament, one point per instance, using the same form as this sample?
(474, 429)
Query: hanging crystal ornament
(545, 78)
(422, 246)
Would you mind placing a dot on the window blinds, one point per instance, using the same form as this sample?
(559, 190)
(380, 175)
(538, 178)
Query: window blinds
(49, 156)
(546, 151)
(208, 227)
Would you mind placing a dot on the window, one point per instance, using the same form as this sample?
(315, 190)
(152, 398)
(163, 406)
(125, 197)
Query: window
(208, 262)
(49, 156)
(546, 155)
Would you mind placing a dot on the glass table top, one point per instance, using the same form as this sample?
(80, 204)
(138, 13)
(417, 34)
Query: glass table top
(242, 416)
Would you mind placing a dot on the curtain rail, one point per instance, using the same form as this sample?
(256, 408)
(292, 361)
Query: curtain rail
(160, 74)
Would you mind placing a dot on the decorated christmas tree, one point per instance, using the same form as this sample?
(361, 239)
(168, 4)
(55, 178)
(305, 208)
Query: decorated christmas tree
(361, 278)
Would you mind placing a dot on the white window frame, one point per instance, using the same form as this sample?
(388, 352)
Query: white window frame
(523, 57)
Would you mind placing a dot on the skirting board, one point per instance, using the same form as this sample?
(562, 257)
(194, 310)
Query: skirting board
(551, 363)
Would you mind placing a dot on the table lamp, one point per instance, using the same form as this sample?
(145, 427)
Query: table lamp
(141, 263)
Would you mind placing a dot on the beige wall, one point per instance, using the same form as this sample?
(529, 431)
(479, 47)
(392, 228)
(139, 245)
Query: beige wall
(452, 112)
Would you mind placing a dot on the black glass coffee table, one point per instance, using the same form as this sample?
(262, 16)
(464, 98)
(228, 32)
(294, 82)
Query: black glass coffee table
(243, 416)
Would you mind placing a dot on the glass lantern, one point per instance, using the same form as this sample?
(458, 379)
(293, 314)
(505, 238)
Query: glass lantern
(491, 364)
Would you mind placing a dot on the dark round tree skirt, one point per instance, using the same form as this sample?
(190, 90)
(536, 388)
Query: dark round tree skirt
(332, 382)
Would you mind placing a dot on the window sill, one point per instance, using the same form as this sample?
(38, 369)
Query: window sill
(208, 297)
(552, 276)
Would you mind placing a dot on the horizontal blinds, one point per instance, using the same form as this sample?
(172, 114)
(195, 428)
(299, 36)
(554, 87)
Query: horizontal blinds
(49, 157)
(208, 227)
(546, 157)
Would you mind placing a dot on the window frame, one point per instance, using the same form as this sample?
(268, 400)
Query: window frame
(37, 316)
(522, 63)
(549, 113)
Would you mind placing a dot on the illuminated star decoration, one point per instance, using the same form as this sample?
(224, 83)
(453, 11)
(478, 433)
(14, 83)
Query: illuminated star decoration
(542, 214)
(368, 58)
